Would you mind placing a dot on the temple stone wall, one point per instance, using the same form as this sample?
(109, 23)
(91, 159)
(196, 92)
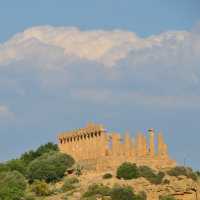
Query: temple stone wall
(93, 144)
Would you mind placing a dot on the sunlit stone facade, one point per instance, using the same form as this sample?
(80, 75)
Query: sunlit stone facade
(98, 149)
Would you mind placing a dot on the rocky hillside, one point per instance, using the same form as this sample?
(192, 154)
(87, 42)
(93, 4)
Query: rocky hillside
(47, 174)
(181, 188)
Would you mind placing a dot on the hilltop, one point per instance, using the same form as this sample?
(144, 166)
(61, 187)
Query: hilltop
(47, 174)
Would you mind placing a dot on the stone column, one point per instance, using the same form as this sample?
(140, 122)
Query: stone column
(144, 145)
(162, 147)
(128, 145)
(151, 143)
(115, 144)
(138, 145)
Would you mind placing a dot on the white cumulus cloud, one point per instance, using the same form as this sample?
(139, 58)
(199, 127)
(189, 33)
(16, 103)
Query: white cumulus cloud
(106, 47)
(163, 67)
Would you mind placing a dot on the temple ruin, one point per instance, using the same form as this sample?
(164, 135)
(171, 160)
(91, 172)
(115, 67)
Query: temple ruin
(98, 149)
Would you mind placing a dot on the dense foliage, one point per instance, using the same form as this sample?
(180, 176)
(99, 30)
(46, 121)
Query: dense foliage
(49, 167)
(36, 167)
(29, 156)
(21, 164)
(122, 193)
(183, 171)
(131, 171)
(150, 175)
(12, 185)
(127, 171)
(115, 193)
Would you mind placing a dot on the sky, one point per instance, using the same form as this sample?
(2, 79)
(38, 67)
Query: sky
(130, 65)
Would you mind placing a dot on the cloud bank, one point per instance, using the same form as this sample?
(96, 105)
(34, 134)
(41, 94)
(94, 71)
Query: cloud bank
(102, 66)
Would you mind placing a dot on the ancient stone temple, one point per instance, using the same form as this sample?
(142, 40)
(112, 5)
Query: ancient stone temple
(98, 149)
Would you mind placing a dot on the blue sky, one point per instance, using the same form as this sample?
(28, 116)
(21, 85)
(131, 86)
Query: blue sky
(127, 64)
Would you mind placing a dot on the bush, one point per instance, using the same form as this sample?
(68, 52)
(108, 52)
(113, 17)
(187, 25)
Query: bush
(12, 185)
(97, 189)
(107, 176)
(168, 197)
(69, 184)
(127, 171)
(150, 175)
(183, 171)
(17, 165)
(49, 167)
(29, 156)
(122, 193)
(3, 167)
(40, 188)
(47, 148)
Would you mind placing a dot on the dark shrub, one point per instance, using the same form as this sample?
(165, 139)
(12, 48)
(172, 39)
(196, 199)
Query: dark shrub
(159, 178)
(49, 167)
(17, 165)
(122, 193)
(183, 171)
(47, 148)
(97, 189)
(150, 175)
(127, 171)
(167, 197)
(3, 167)
(107, 176)
(12, 185)
(32, 155)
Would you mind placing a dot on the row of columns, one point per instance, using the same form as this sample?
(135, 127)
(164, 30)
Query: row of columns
(139, 147)
(91, 145)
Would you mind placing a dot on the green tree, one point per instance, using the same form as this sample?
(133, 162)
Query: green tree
(29, 156)
(46, 148)
(12, 185)
(127, 171)
(122, 193)
(17, 165)
(49, 167)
